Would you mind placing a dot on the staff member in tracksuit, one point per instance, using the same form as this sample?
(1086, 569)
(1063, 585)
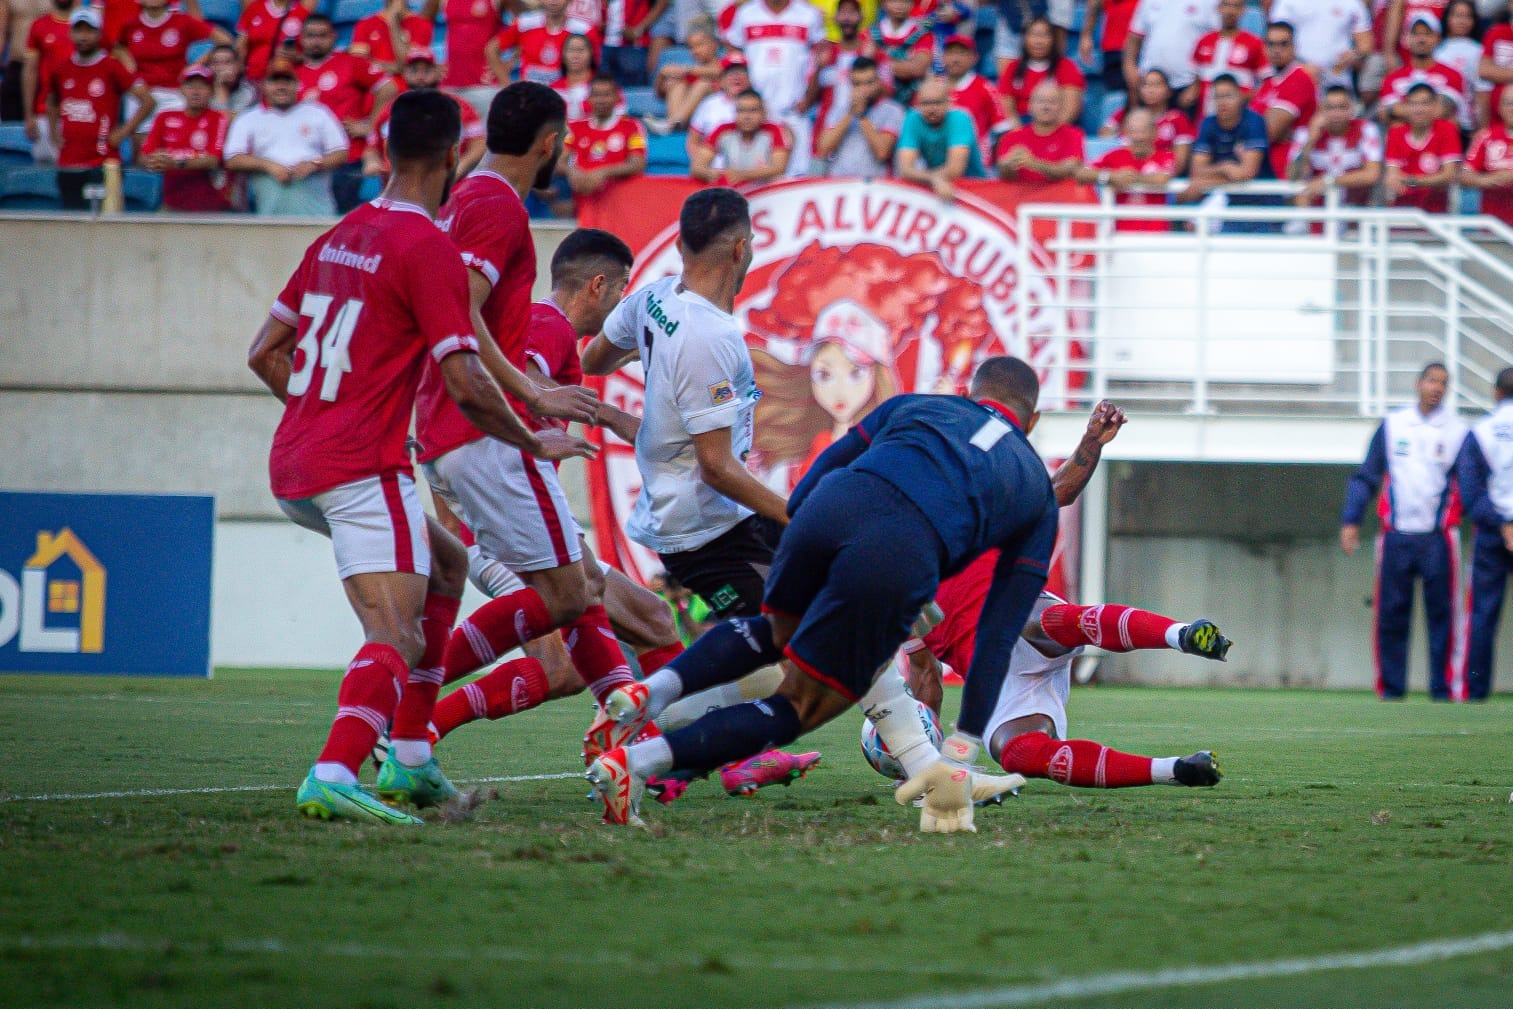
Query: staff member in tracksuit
(1485, 474)
(1411, 461)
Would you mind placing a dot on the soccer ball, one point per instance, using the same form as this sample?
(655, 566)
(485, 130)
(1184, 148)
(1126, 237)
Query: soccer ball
(877, 753)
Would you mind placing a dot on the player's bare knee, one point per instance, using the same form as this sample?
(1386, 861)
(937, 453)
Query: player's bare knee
(409, 642)
(1013, 729)
(449, 562)
(563, 590)
(593, 577)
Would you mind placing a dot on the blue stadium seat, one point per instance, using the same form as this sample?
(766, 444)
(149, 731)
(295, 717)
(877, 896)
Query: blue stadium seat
(143, 190)
(1097, 147)
(349, 12)
(1253, 21)
(29, 189)
(674, 56)
(15, 149)
(222, 12)
(642, 102)
(1112, 102)
(197, 51)
(667, 155)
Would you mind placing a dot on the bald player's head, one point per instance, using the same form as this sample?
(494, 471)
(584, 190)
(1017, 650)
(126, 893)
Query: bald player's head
(1012, 382)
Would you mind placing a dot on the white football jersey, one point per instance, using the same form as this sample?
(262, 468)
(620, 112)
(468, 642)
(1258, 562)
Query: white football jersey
(779, 49)
(698, 379)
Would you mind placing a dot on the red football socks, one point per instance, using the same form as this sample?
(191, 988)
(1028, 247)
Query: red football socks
(512, 688)
(495, 628)
(655, 658)
(1077, 762)
(596, 653)
(1108, 626)
(424, 681)
(369, 691)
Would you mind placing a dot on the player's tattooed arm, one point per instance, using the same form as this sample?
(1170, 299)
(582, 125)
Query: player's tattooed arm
(271, 356)
(1073, 475)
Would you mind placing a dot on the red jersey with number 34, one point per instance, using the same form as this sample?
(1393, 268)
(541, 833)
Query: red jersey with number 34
(489, 226)
(375, 299)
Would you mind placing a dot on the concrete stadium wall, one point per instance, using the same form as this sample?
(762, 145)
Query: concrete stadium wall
(122, 368)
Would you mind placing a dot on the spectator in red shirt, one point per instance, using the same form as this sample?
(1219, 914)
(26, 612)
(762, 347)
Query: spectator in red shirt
(1137, 172)
(1423, 154)
(471, 27)
(1286, 98)
(422, 73)
(84, 97)
(751, 149)
(1226, 51)
(1489, 166)
(970, 93)
(1043, 60)
(534, 43)
(579, 67)
(155, 43)
(386, 37)
(268, 28)
(1174, 131)
(356, 91)
(186, 145)
(1336, 149)
(1117, 15)
(1046, 150)
(1422, 68)
(605, 146)
(48, 45)
(684, 86)
(1496, 67)
(905, 48)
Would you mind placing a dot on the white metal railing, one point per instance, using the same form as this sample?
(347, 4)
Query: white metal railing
(1314, 311)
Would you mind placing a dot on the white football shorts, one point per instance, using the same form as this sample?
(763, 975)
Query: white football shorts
(374, 525)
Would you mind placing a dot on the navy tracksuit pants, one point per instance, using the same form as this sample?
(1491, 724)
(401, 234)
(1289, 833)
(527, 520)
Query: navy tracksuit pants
(1405, 559)
(1491, 564)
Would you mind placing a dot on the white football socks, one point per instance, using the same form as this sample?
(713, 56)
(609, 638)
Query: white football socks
(333, 773)
(1174, 636)
(686, 710)
(891, 709)
(410, 752)
(1163, 770)
(665, 686)
(649, 758)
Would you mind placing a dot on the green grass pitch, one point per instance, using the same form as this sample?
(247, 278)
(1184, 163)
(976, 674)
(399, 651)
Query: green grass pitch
(1345, 826)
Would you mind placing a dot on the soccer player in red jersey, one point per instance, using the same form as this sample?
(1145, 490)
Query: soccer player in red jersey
(420, 73)
(187, 146)
(1045, 149)
(1423, 154)
(83, 106)
(514, 503)
(375, 299)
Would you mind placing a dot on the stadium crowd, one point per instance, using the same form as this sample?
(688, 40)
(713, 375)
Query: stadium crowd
(279, 107)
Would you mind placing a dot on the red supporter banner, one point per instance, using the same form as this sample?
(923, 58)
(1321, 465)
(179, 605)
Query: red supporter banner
(857, 291)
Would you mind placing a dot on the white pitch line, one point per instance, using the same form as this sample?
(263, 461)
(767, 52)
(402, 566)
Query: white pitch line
(146, 793)
(1181, 977)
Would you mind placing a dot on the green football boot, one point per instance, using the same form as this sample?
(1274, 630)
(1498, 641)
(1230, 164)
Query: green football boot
(419, 786)
(324, 800)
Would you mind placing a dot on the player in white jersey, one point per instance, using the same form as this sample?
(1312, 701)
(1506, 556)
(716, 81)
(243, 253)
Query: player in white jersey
(778, 38)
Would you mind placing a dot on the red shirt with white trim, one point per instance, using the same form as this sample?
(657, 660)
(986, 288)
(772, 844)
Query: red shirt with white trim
(1497, 46)
(552, 342)
(1492, 151)
(161, 50)
(1360, 145)
(376, 298)
(89, 107)
(540, 46)
(472, 127)
(470, 25)
(1173, 129)
(266, 28)
(777, 45)
(48, 38)
(592, 146)
(371, 38)
(1117, 15)
(1418, 157)
(344, 84)
(1242, 55)
(1293, 90)
(491, 230)
(1067, 75)
(1160, 162)
(1447, 82)
(976, 98)
(1061, 143)
(184, 136)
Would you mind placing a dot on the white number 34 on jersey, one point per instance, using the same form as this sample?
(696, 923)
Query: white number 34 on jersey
(329, 351)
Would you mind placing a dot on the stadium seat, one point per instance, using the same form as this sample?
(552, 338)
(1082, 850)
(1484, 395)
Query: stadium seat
(642, 102)
(1097, 147)
(29, 189)
(667, 155)
(349, 12)
(222, 12)
(15, 149)
(1253, 21)
(674, 56)
(142, 190)
(1112, 102)
(197, 51)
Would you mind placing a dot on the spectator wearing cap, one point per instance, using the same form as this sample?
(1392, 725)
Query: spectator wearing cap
(970, 93)
(1043, 60)
(1423, 153)
(857, 139)
(186, 145)
(269, 28)
(830, 80)
(155, 43)
(356, 90)
(422, 73)
(471, 27)
(1423, 68)
(751, 149)
(719, 108)
(287, 148)
(683, 86)
(938, 145)
(1116, 15)
(1138, 171)
(1287, 97)
(1336, 149)
(1045, 149)
(386, 37)
(233, 93)
(1163, 35)
(1229, 50)
(905, 46)
(1396, 18)
(1231, 147)
(1489, 165)
(605, 146)
(1332, 38)
(84, 98)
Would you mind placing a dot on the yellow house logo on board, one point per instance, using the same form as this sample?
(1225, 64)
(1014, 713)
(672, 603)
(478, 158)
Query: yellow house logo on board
(50, 597)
